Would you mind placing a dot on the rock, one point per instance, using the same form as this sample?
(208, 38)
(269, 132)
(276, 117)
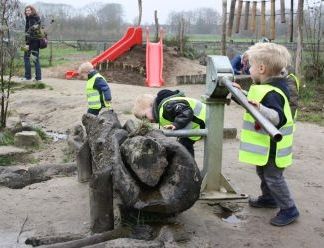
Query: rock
(27, 139)
(11, 151)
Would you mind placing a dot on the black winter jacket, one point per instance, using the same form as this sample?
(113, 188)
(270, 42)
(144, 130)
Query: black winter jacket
(177, 111)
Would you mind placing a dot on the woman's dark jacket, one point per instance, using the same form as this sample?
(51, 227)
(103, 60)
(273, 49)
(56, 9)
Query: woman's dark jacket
(32, 31)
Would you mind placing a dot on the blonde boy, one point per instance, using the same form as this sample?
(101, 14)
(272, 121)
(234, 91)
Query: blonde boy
(270, 95)
(97, 89)
(172, 110)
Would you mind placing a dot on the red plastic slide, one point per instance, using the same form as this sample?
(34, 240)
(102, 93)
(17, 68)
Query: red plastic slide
(132, 37)
(154, 62)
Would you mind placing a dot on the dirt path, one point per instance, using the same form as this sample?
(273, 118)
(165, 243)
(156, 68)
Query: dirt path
(61, 205)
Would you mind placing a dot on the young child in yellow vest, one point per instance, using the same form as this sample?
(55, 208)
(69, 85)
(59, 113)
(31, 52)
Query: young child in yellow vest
(97, 89)
(270, 94)
(172, 110)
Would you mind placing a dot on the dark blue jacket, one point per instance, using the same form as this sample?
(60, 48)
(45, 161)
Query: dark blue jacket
(276, 102)
(102, 86)
(238, 66)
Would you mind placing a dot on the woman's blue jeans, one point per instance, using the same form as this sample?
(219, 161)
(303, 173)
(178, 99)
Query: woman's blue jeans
(32, 55)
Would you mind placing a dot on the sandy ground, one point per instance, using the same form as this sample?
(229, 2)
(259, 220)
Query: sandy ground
(61, 205)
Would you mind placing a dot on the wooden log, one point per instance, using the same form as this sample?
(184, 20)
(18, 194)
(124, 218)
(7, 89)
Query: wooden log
(146, 158)
(122, 232)
(238, 16)
(83, 160)
(18, 178)
(254, 12)
(273, 20)
(129, 243)
(263, 19)
(246, 15)
(231, 18)
(101, 202)
(282, 11)
(48, 240)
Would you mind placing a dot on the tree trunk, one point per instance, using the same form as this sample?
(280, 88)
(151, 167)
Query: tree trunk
(157, 26)
(246, 15)
(253, 22)
(231, 18)
(140, 10)
(238, 16)
(282, 11)
(300, 15)
(273, 20)
(224, 27)
(263, 19)
(291, 21)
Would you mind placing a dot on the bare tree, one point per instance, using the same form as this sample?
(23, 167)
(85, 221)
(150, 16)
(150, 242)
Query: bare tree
(314, 35)
(139, 12)
(9, 13)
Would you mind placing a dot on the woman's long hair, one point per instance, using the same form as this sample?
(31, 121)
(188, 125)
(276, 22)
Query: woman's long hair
(33, 10)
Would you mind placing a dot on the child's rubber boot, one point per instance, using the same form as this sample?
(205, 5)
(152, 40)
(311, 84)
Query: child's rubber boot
(285, 217)
(261, 202)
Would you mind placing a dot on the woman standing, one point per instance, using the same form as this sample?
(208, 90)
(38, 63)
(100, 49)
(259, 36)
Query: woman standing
(32, 31)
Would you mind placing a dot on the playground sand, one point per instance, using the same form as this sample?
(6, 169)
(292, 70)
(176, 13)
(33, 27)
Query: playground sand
(61, 205)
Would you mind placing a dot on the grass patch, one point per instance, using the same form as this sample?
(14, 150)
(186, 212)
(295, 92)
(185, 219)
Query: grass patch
(6, 138)
(42, 134)
(311, 104)
(68, 155)
(6, 160)
(34, 86)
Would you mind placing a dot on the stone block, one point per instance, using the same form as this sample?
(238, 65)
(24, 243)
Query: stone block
(27, 139)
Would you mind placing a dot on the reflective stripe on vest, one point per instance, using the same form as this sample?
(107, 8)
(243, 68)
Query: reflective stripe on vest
(255, 143)
(93, 95)
(199, 110)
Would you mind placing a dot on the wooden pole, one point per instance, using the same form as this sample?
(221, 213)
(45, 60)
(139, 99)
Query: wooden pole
(238, 16)
(224, 27)
(253, 22)
(157, 26)
(263, 19)
(300, 14)
(291, 20)
(139, 12)
(231, 18)
(246, 17)
(282, 11)
(273, 20)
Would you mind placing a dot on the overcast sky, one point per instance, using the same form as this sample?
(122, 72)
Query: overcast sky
(131, 10)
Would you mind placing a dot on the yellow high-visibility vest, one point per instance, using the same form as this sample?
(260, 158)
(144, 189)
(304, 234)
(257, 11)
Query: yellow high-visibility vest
(255, 144)
(93, 95)
(198, 108)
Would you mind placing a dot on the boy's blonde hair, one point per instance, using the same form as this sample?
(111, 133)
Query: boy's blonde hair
(275, 57)
(85, 67)
(142, 103)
